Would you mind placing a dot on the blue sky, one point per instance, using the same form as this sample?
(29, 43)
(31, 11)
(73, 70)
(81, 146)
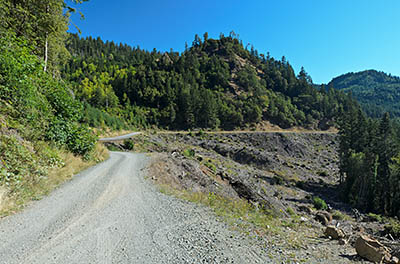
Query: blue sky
(328, 38)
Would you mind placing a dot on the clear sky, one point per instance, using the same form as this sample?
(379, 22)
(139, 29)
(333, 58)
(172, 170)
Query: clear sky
(327, 37)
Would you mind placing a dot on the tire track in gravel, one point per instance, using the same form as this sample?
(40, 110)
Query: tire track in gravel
(111, 214)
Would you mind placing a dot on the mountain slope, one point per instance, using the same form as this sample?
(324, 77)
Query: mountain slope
(214, 83)
(377, 92)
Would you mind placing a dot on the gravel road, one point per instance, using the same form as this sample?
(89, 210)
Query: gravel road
(111, 214)
(119, 137)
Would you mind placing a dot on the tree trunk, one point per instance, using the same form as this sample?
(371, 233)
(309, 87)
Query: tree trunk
(46, 45)
(46, 48)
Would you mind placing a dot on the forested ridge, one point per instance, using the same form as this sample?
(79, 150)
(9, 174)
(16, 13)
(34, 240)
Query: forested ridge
(215, 83)
(376, 91)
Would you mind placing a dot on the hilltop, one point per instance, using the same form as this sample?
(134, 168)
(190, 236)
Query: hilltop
(216, 83)
(376, 91)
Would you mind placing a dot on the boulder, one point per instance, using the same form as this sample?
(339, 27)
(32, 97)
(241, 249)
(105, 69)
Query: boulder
(324, 217)
(394, 260)
(372, 250)
(334, 232)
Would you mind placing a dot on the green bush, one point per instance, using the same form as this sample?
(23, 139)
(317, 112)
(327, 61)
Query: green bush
(393, 228)
(319, 203)
(43, 105)
(278, 180)
(188, 153)
(81, 141)
(128, 144)
(375, 217)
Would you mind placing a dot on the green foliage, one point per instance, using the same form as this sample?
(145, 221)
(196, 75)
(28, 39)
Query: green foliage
(290, 211)
(18, 164)
(188, 153)
(128, 144)
(43, 105)
(319, 203)
(393, 228)
(278, 180)
(211, 166)
(81, 140)
(369, 163)
(217, 83)
(376, 91)
(43, 23)
(375, 217)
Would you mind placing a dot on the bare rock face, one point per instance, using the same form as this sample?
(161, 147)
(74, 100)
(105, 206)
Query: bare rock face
(372, 250)
(334, 232)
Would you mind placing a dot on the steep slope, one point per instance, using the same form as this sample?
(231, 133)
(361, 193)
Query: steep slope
(39, 123)
(214, 83)
(377, 92)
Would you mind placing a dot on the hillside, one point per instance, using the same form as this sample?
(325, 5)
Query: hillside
(216, 83)
(377, 92)
(43, 140)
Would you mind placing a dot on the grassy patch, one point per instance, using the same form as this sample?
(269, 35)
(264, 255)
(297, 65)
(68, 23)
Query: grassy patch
(340, 216)
(246, 217)
(238, 212)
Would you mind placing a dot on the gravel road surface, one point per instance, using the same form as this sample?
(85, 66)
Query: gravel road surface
(119, 137)
(111, 214)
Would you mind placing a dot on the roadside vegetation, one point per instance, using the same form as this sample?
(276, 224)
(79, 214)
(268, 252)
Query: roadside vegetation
(43, 138)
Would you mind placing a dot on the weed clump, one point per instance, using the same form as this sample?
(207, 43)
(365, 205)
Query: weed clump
(319, 203)
(188, 153)
(393, 228)
(128, 144)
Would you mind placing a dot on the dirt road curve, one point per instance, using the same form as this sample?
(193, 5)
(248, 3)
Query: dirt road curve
(119, 137)
(111, 214)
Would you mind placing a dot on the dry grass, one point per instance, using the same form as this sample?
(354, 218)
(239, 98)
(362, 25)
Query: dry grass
(73, 165)
(14, 202)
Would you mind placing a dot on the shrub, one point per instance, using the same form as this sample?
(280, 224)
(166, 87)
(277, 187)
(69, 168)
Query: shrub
(337, 215)
(189, 153)
(375, 217)
(319, 203)
(393, 228)
(200, 134)
(278, 180)
(81, 141)
(128, 144)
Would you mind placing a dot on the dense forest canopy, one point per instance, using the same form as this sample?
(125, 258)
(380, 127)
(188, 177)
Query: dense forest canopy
(370, 162)
(216, 83)
(377, 92)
